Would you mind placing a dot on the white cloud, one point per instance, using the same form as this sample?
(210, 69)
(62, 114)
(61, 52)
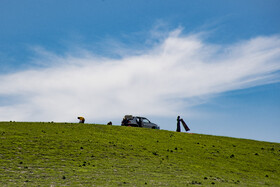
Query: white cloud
(161, 81)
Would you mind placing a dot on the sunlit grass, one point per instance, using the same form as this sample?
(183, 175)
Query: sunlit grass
(86, 154)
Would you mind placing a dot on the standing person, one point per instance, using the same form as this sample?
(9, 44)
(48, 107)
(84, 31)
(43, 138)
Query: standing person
(178, 124)
(139, 122)
(124, 122)
(82, 119)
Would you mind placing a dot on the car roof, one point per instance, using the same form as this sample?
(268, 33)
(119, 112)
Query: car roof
(140, 117)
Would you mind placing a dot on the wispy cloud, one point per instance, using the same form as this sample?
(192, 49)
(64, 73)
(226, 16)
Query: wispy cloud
(170, 77)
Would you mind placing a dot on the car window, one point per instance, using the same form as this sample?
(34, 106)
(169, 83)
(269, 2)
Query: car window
(145, 120)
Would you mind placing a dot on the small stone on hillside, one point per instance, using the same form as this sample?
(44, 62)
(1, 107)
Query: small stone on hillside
(155, 153)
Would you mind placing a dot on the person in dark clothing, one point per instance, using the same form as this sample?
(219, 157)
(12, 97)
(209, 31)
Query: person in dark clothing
(178, 124)
(139, 122)
(124, 122)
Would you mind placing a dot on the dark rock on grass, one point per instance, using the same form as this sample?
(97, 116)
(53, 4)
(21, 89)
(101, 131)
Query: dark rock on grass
(195, 182)
(256, 154)
(84, 163)
(232, 156)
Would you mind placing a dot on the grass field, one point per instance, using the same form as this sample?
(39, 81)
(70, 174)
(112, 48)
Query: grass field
(64, 154)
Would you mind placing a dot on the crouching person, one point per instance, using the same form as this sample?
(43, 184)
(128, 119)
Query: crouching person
(82, 119)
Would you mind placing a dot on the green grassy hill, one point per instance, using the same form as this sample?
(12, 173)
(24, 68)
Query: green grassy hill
(62, 154)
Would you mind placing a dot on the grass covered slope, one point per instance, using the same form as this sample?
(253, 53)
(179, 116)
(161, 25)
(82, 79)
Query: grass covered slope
(86, 154)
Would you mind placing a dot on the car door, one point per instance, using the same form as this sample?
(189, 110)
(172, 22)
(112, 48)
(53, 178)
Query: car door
(146, 123)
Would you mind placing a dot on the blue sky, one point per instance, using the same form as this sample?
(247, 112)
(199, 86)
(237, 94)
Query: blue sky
(215, 63)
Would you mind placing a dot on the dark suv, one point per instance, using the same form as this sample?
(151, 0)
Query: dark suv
(136, 121)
